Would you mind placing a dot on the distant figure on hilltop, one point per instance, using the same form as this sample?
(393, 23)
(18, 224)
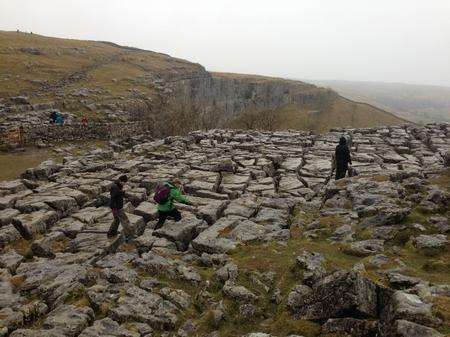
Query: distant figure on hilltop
(60, 119)
(342, 158)
(53, 117)
(84, 120)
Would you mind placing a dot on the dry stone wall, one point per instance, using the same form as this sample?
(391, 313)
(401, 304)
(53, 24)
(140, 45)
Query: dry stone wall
(34, 134)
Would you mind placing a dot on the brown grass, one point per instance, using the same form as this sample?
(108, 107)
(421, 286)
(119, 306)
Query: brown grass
(379, 178)
(17, 281)
(60, 246)
(441, 308)
(285, 325)
(80, 302)
(442, 180)
(333, 112)
(21, 246)
(225, 232)
(127, 247)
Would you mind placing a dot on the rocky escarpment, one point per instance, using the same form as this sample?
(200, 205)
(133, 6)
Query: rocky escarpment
(269, 246)
(110, 83)
(223, 97)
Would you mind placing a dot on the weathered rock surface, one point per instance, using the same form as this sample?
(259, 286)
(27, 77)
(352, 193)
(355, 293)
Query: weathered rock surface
(266, 233)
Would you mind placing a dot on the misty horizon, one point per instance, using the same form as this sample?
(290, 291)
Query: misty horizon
(402, 42)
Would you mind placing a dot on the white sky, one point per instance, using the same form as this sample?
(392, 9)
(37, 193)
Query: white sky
(383, 40)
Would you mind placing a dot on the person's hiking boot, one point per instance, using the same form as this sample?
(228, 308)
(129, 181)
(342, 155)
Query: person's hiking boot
(128, 238)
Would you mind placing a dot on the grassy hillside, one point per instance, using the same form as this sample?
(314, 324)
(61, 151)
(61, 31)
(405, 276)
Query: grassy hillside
(93, 78)
(48, 69)
(420, 103)
(320, 116)
(341, 112)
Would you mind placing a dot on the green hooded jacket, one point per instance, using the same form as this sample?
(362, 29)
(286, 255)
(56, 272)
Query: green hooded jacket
(175, 194)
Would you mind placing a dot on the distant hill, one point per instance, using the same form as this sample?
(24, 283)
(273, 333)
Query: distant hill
(106, 81)
(419, 103)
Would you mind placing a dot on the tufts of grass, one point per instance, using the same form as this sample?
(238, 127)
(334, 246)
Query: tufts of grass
(441, 308)
(403, 236)
(80, 302)
(17, 281)
(379, 178)
(21, 246)
(60, 246)
(442, 180)
(433, 269)
(285, 325)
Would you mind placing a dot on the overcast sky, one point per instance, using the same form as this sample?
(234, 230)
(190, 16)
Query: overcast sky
(383, 40)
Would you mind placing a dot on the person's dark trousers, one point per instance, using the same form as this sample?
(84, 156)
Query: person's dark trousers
(340, 172)
(162, 216)
(120, 218)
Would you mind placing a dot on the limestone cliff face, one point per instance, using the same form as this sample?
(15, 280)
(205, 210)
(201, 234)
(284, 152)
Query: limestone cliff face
(226, 95)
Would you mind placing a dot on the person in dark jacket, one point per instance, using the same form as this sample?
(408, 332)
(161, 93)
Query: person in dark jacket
(342, 158)
(117, 194)
(53, 117)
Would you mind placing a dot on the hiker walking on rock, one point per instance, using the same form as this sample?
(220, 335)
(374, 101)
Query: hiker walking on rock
(342, 158)
(59, 119)
(53, 116)
(84, 120)
(165, 195)
(117, 193)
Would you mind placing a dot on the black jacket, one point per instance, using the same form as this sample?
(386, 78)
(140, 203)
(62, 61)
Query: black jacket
(117, 193)
(342, 154)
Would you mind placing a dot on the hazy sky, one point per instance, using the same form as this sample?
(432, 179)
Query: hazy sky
(382, 40)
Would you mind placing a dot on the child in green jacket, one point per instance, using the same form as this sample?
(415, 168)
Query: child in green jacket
(168, 209)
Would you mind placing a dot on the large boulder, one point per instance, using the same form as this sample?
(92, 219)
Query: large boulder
(402, 328)
(107, 328)
(142, 306)
(238, 293)
(353, 296)
(298, 297)
(409, 307)
(69, 320)
(312, 267)
(390, 216)
(431, 244)
(182, 232)
(351, 326)
(365, 247)
(215, 239)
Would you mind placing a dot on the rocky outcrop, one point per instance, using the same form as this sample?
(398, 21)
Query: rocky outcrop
(224, 96)
(268, 237)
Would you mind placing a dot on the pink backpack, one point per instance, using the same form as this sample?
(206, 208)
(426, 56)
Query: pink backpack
(162, 194)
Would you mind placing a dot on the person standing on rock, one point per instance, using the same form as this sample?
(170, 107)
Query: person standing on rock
(59, 119)
(53, 117)
(342, 158)
(117, 194)
(84, 120)
(165, 195)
